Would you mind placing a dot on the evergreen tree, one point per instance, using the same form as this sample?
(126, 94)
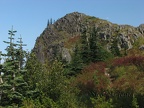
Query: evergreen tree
(91, 49)
(94, 46)
(1, 80)
(96, 50)
(34, 69)
(48, 23)
(85, 51)
(9, 70)
(20, 52)
(51, 21)
(14, 87)
(114, 48)
(76, 64)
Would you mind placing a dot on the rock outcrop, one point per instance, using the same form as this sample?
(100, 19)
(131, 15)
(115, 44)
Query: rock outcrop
(58, 39)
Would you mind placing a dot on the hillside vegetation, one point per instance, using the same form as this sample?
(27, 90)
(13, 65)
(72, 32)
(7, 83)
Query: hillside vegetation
(78, 61)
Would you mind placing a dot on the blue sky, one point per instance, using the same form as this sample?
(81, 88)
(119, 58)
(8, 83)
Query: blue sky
(29, 17)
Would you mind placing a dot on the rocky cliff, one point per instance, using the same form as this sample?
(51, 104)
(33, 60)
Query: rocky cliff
(60, 37)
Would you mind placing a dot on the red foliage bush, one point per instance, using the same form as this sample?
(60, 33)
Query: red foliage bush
(133, 77)
(72, 41)
(130, 60)
(100, 67)
(93, 78)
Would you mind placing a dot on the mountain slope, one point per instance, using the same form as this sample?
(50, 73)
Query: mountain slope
(60, 37)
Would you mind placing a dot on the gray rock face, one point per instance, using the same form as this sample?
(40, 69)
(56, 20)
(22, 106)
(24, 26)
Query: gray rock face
(66, 55)
(124, 41)
(70, 22)
(58, 38)
(141, 47)
(141, 28)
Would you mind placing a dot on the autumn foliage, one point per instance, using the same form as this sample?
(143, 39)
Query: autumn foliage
(93, 78)
(128, 73)
(130, 60)
(71, 41)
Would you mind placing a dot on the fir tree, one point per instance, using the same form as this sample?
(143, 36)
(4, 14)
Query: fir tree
(76, 64)
(1, 80)
(21, 52)
(114, 48)
(51, 21)
(48, 23)
(14, 87)
(85, 47)
(97, 52)
(94, 46)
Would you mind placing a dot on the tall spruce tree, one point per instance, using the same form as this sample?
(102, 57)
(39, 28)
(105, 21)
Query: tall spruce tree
(94, 46)
(21, 53)
(85, 51)
(76, 64)
(51, 21)
(114, 48)
(48, 23)
(14, 87)
(97, 52)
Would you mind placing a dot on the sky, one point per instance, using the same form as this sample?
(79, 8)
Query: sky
(29, 17)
